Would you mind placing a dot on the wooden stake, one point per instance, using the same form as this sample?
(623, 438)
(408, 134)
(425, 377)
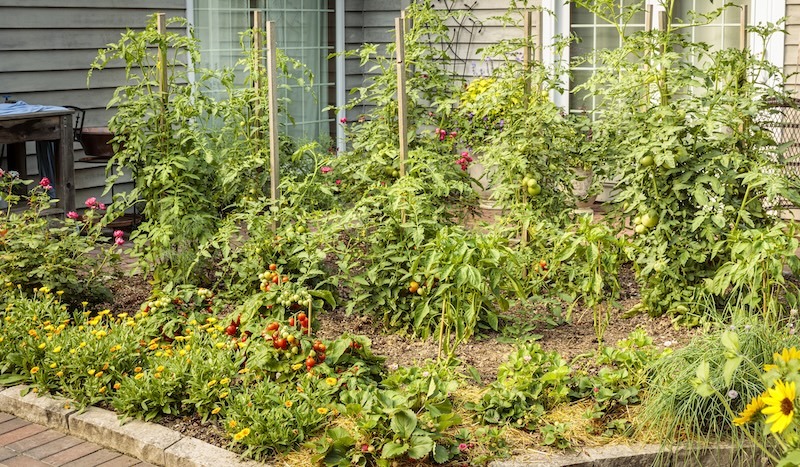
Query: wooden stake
(399, 27)
(539, 44)
(743, 18)
(526, 68)
(648, 18)
(272, 83)
(258, 47)
(161, 24)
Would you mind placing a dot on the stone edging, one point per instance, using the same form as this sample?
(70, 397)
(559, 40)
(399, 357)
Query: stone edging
(149, 442)
(642, 455)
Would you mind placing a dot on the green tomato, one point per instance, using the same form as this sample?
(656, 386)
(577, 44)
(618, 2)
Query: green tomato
(534, 190)
(640, 229)
(395, 173)
(650, 219)
(532, 183)
(646, 161)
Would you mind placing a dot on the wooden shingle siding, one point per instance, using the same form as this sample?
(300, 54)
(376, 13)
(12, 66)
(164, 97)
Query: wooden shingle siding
(46, 48)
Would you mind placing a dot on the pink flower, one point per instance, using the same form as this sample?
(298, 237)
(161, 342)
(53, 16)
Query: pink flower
(119, 241)
(118, 234)
(462, 447)
(73, 215)
(2, 173)
(338, 182)
(364, 447)
(343, 120)
(325, 169)
(101, 207)
(45, 183)
(91, 203)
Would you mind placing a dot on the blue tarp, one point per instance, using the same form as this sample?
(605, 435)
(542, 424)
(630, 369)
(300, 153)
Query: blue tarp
(20, 107)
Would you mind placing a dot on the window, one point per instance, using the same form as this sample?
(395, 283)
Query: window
(594, 33)
(305, 32)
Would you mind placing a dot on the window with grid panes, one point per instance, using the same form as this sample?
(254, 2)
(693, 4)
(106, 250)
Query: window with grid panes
(305, 32)
(594, 34)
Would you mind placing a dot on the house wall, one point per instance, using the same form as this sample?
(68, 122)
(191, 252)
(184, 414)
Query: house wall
(373, 22)
(46, 48)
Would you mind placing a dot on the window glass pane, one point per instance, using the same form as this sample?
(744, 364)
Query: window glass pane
(302, 30)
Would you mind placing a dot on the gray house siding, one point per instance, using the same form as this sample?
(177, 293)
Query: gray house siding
(46, 48)
(372, 21)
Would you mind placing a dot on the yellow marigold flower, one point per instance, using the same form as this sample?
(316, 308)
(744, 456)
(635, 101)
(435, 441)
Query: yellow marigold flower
(32, 332)
(159, 353)
(57, 349)
(156, 375)
(82, 344)
(288, 404)
(243, 371)
(330, 381)
(60, 374)
(139, 376)
(220, 345)
(160, 369)
(182, 353)
(98, 374)
(73, 351)
(238, 436)
(779, 402)
(224, 381)
(105, 366)
(232, 423)
(102, 390)
(297, 366)
(223, 395)
(114, 348)
(322, 410)
(215, 411)
(122, 315)
(34, 370)
(42, 345)
(53, 365)
(152, 346)
(2, 338)
(117, 385)
(59, 292)
(212, 383)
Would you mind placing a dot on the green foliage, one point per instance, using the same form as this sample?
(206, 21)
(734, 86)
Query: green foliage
(68, 256)
(161, 135)
(686, 131)
(675, 408)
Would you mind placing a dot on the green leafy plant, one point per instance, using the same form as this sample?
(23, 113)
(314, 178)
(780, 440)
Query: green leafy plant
(39, 252)
(714, 167)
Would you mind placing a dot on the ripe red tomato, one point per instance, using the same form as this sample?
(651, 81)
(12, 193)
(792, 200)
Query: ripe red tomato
(282, 343)
(302, 316)
(310, 362)
(231, 330)
(291, 321)
(273, 326)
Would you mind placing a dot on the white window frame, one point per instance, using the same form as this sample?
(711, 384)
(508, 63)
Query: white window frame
(557, 21)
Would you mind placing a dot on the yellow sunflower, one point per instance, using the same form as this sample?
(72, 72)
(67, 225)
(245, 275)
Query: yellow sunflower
(750, 411)
(779, 402)
(783, 358)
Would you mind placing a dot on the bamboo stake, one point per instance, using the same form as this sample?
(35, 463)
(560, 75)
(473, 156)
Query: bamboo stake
(272, 83)
(743, 18)
(401, 92)
(539, 44)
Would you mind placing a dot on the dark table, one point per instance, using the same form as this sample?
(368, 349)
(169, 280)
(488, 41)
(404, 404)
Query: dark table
(16, 129)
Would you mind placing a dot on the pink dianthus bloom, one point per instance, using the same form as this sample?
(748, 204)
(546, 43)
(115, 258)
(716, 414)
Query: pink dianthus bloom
(73, 215)
(325, 169)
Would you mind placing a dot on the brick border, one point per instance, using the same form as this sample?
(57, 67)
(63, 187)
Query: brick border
(147, 441)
